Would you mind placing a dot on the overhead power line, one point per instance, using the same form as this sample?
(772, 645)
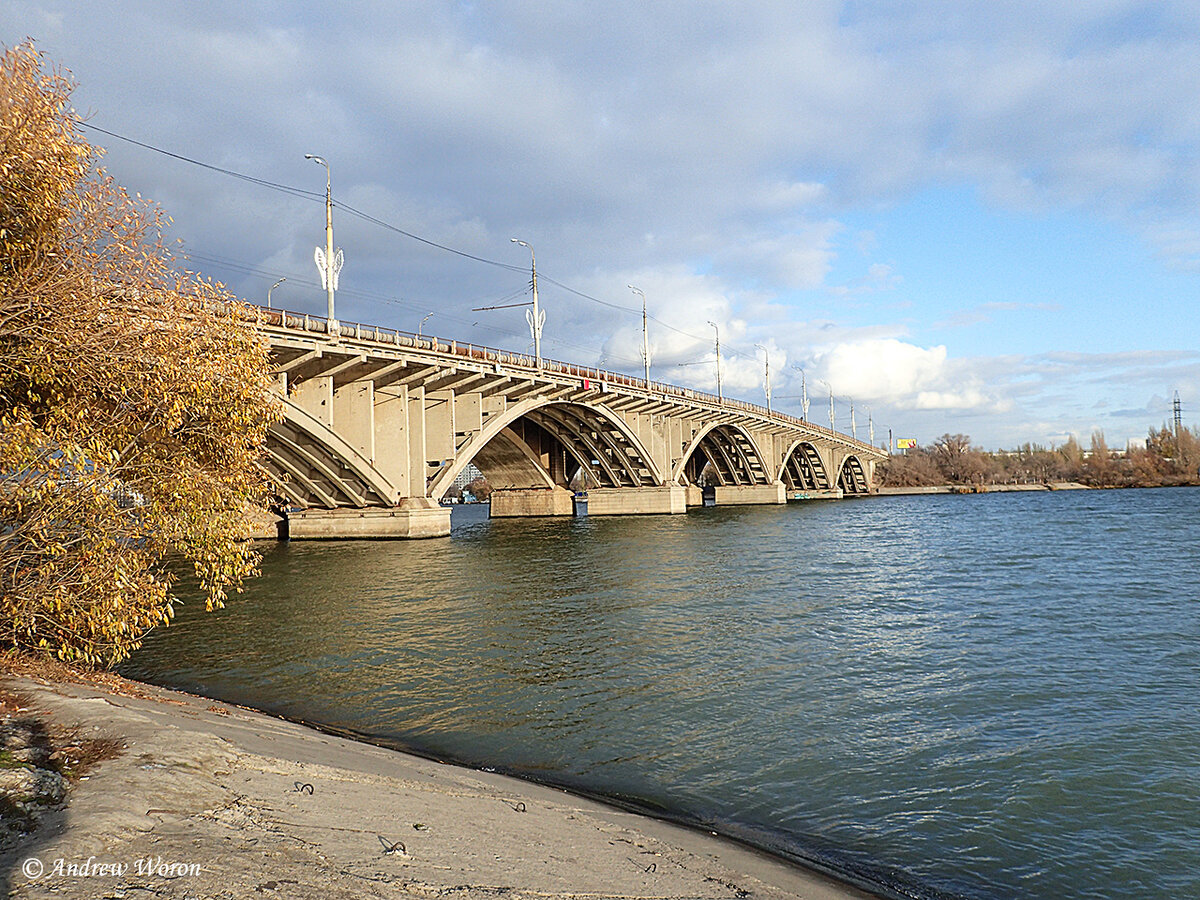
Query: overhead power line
(262, 182)
(302, 193)
(307, 195)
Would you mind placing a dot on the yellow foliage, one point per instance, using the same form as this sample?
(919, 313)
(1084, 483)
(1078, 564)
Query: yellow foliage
(133, 398)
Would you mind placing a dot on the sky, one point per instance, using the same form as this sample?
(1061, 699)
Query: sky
(956, 217)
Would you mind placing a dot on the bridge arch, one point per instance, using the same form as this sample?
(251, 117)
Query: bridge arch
(852, 478)
(803, 468)
(314, 467)
(726, 450)
(511, 449)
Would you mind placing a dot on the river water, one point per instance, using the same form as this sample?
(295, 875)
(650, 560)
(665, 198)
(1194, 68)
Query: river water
(986, 696)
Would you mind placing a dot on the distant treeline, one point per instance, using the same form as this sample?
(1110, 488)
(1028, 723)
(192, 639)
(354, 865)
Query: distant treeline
(1166, 459)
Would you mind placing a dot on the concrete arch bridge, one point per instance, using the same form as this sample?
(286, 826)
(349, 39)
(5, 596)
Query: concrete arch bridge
(378, 424)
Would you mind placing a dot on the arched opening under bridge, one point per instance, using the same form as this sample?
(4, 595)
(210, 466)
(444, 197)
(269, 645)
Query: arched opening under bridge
(538, 454)
(853, 478)
(722, 455)
(804, 470)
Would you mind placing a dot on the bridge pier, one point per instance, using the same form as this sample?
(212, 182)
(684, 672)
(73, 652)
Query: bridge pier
(665, 500)
(750, 494)
(516, 502)
(815, 494)
(415, 518)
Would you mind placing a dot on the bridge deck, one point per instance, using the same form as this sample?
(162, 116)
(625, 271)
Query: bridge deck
(624, 391)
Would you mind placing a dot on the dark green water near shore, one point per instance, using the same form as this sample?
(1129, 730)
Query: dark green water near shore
(988, 696)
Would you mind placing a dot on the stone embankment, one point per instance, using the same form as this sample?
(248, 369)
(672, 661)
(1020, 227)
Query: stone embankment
(30, 784)
(204, 799)
(982, 488)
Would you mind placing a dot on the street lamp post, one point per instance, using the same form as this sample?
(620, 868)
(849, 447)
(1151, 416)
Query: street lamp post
(328, 264)
(831, 418)
(853, 427)
(803, 394)
(718, 332)
(645, 334)
(271, 288)
(766, 374)
(421, 324)
(536, 318)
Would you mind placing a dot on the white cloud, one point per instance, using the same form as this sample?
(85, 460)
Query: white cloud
(892, 371)
(788, 197)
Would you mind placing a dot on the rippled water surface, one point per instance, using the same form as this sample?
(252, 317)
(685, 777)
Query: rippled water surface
(987, 696)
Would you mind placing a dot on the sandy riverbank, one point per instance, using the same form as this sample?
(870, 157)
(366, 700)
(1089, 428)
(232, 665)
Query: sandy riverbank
(208, 800)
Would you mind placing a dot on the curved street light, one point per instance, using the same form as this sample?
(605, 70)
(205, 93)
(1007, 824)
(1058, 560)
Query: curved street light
(766, 374)
(271, 288)
(803, 394)
(422, 324)
(832, 427)
(328, 264)
(536, 318)
(718, 331)
(645, 334)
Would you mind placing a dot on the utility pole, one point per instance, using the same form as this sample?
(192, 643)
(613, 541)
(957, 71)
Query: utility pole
(718, 331)
(1178, 408)
(766, 374)
(832, 427)
(328, 264)
(645, 334)
(803, 394)
(535, 317)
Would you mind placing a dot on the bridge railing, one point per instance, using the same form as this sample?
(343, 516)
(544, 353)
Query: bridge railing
(320, 325)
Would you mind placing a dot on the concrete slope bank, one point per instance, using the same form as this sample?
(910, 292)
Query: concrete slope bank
(214, 801)
(983, 489)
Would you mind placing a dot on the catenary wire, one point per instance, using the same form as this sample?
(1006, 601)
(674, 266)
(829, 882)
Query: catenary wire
(731, 352)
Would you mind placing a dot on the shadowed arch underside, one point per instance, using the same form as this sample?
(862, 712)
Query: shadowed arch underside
(852, 479)
(539, 444)
(313, 467)
(804, 469)
(722, 455)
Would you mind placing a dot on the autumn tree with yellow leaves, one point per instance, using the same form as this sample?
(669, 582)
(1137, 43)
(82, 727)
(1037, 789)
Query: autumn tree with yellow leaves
(133, 397)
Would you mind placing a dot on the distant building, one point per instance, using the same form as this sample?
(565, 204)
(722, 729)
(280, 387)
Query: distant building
(466, 476)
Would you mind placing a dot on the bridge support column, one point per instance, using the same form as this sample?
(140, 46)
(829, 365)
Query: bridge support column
(670, 498)
(750, 494)
(818, 494)
(416, 517)
(515, 502)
